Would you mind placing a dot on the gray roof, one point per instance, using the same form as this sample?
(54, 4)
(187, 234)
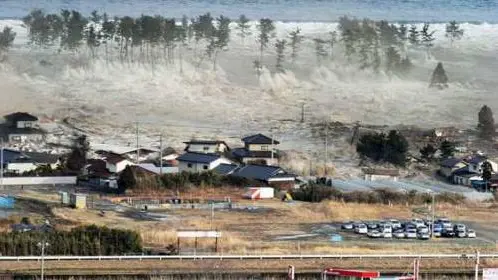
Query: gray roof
(225, 169)
(244, 153)
(259, 139)
(477, 159)
(20, 116)
(451, 162)
(464, 172)
(259, 172)
(198, 157)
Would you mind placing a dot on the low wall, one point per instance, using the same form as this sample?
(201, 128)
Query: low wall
(29, 181)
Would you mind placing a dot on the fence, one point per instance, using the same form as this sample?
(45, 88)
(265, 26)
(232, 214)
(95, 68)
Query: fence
(30, 181)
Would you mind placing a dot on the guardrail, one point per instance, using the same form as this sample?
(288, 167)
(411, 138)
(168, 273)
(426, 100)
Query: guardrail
(249, 257)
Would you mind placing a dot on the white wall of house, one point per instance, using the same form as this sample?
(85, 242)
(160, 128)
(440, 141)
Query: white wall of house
(269, 161)
(377, 177)
(26, 124)
(207, 148)
(21, 167)
(200, 167)
(477, 168)
(260, 147)
(118, 167)
(465, 181)
(25, 137)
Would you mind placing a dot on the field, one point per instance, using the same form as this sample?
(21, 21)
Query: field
(268, 227)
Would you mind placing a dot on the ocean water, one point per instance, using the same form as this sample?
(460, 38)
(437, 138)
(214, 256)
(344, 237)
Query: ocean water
(106, 98)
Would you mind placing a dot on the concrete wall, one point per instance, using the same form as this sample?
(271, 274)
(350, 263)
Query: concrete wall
(19, 181)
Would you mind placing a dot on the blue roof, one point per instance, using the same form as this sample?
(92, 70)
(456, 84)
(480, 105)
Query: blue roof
(10, 155)
(259, 139)
(451, 162)
(464, 171)
(259, 172)
(198, 157)
(225, 169)
(477, 159)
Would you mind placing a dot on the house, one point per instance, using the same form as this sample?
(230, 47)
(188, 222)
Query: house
(158, 170)
(22, 127)
(268, 175)
(128, 152)
(116, 163)
(475, 163)
(225, 169)
(170, 155)
(198, 162)
(464, 177)
(375, 174)
(30, 161)
(448, 166)
(259, 149)
(206, 147)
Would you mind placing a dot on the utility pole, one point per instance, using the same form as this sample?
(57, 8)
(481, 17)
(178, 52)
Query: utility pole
(212, 214)
(433, 214)
(138, 149)
(476, 276)
(326, 148)
(42, 245)
(302, 112)
(161, 155)
(271, 147)
(1, 163)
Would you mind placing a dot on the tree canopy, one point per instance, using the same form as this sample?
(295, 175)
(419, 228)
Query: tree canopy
(439, 78)
(379, 147)
(486, 124)
(78, 155)
(447, 149)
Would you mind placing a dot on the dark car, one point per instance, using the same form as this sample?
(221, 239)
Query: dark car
(447, 233)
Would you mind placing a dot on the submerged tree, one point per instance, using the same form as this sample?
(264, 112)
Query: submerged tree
(439, 78)
(427, 37)
(453, 31)
(486, 125)
(280, 48)
(220, 38)
(295, 41)
(320, 50)
(7, 37)
(428, 152)
(244, 27)
(447, 149)
(413, 36)
(77, 158)
(266, 29)
(332, 40)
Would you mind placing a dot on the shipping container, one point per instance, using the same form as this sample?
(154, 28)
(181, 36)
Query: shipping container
(78, 200)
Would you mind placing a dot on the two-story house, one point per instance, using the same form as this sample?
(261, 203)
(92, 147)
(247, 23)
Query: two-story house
(207, 147)
(199, 162)
(258, 149)
(22, 127)
(448, 166)
(116, 163)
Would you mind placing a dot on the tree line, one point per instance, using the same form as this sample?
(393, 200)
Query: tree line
(156, 39)
(81, 241)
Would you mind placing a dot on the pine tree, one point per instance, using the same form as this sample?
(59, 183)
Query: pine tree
(447, 149)
(439, 78)
(244, 27)
(266, 29)
(393, 60)
(428, 152)
(413, 36)
(77, 158)
(7, 38)
(280, 48)
(332, 40)
(487, 172)
(127, 179)
(427, 38)
(295, 41)
(453, 31)
(320, 51)
(486, 123)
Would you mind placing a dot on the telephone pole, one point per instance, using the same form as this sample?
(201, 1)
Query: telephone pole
(326, 147)
(302, 112)
(138, 149)
(161, 154)
(1, 163)
(272, 134)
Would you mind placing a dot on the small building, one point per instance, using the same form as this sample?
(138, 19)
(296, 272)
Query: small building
(116, 163)
(258, 149)
(198, 162)
(272, 176)
(22, 127)
(448, 166)
(77, 200)
(375, 174)
(475, 163)
(206, 147)
(464, 177)
(30, 161)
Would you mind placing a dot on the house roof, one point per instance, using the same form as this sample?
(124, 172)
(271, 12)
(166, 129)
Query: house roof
(225, 169)
(451, 162)
(258, 172)
(9, 155)
(157, 170)
(198, 157)
(381, 171)
(464, 172)
(40, 158)
(477, 159)
(259, 139)
(120, 150)
(20, 116)
(206, 142)
(114, 158)
(21, 131)
(244, 153)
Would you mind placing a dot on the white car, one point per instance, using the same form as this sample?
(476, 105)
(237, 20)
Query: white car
(395, 223)
(471, 233)
(423, 235)
(374, 234)
(411, 233)
(445, 222)
(361, 229)
(399, 234)
(418, 222)
(437, 234)
(460, 234)
(387, 234)
(423, 229)
(460, 227)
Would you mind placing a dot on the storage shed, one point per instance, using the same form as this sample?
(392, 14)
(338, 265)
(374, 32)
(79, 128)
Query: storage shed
(78, 200)
(64, 198)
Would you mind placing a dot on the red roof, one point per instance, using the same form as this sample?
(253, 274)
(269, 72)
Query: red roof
(351, 273)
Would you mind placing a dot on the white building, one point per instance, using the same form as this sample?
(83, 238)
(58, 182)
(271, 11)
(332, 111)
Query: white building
(22, 127)
(116, 163)
(206, 146)
(28, 161)
(199, 162)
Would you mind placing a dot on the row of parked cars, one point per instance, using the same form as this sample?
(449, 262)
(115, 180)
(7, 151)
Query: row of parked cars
(413, 229)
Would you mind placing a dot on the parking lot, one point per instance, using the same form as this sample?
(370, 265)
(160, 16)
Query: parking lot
(414, 229)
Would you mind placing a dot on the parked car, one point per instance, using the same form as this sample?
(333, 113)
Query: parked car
(399, 234)
(395, 224)
(445, 222)
(447, 233)
(423, 235)
(411, 233)
(471, 233)
(459, 227)
(418, 222)
(347, 225)
(423, 229)
(374, 234)
(372, 225)
(438, 227)
(361, 229)
(437, 233)
(387, 234)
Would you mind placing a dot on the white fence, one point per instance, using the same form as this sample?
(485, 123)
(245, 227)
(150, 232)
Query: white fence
(252, 257)
(30, 181)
